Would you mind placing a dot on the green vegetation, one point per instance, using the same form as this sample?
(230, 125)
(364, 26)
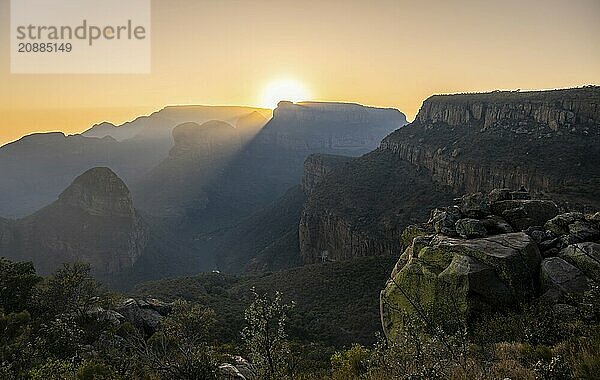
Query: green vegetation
(51, 329)
(337, 304)
(265, 336)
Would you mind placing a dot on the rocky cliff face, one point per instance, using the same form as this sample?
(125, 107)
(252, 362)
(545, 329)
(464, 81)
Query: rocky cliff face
(558, 109)
(360, 208)
(317, 167)
(546, 141)
(93, 221)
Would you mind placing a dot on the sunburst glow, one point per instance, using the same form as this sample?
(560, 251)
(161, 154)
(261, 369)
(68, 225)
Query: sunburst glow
(286, 89)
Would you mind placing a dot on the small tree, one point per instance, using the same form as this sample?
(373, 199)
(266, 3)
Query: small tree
(17, 280)
(70, 290)
(265, 335)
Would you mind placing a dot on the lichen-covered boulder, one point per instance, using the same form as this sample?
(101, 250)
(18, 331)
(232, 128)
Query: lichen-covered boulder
(559, 224)
(413, 231)
(470, 228)
(525, 213)
(586, 257)
(474, 205)
(461, 276)
(573, 228)
(443, 220)
(561, 279)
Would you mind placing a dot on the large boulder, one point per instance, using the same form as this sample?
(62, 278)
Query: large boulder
(145, 315)
(525, 213)
(470, 228)
(573, 228)
(236, 368)
(495, 225)
(474, 205)
(562, 280)
(443, 220)
(461, 276)
(586, 257)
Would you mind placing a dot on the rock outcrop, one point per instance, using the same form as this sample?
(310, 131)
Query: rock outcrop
(460, 266)
(144, 314)
(237, 368)
(93, 221)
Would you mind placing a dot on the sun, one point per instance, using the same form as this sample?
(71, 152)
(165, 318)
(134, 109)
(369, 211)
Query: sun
(285, 89)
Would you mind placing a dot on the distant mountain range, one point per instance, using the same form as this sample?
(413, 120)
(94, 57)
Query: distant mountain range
(317, 182)
(36, 168)
(219, 178)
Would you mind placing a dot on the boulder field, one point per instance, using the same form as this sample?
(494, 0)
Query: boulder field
(488, 252)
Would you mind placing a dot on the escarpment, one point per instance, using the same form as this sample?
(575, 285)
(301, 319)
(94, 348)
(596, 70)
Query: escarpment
(92, 221)
(546, 141)
(558, 109)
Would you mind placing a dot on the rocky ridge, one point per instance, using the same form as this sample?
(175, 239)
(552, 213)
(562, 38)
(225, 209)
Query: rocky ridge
(492, 251)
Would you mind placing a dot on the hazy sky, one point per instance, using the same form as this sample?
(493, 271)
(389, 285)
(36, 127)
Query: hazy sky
(383, 53)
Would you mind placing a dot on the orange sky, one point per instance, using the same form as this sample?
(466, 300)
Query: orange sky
(387, 53)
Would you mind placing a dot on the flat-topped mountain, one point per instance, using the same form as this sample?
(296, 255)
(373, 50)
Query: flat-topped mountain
(545, 141)
(347, 128)
(93, 220)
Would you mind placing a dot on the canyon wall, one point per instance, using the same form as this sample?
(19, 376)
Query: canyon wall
(547, 142)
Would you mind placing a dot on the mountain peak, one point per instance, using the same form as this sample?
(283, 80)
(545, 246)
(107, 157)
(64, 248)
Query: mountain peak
(99, 191)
